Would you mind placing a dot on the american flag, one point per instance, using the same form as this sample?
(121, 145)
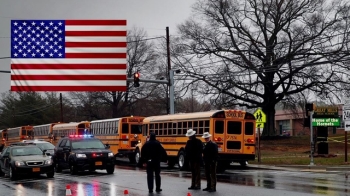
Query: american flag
(68, 55)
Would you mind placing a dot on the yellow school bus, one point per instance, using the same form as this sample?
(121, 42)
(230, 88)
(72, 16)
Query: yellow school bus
(44, 132)
(232, 130)
(19, 134)
(121, 134)
(66, 129)
(3, 135)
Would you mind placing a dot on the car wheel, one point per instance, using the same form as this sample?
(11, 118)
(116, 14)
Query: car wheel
(50, 174)
(58, 168)
(182, 161)
(137, 156)
(243, 163)
(73, 169)
(110, 169)
(12, 174)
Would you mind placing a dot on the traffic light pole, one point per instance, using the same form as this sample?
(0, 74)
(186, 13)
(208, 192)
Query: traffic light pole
(171, 96)
(171, 83)
(311, 140)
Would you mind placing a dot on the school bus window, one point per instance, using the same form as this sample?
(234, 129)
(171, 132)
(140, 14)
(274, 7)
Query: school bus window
(174, 129)
(156, 132)
(125, 128)
(165, 126)
(151, 126)
(135, 129)
(144, 130)
(24, 132)
(165, 132)
(195, 124)
(249, 128)
(234, 127)
(219, 126)
(189, 124)
(170, 125)
(156, 126)
(206, 123)
(160, 125)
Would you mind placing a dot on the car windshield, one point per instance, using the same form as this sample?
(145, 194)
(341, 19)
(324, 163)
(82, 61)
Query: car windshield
(86, 144)
(45, 146)
(26, 151)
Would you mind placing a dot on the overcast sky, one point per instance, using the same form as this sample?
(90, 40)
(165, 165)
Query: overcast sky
(151, 15)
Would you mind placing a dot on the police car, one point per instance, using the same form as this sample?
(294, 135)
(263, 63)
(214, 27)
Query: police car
(82, 152)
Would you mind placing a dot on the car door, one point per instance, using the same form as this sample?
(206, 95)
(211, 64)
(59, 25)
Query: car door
(59, 156)
(2, 158)
(5, 160)
(66, 153)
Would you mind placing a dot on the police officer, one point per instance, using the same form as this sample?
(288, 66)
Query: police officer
(152, 153)
(194, 149)
(210, 156)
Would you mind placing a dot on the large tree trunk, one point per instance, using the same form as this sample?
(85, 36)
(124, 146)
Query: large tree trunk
(269, 128)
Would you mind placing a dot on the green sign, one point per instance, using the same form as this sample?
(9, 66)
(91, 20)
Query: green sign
(326, 122)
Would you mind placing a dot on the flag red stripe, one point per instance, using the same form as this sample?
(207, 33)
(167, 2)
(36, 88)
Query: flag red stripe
(96, 33)
(68, 77)
(96, 55)
(96, 22)
(68, 88)
(68, 66)
(95, 44)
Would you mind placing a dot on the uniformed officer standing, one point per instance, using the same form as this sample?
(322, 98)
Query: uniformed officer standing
(194, 149)
(210, 156)
(152, 153)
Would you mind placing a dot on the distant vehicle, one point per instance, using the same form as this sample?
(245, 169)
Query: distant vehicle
(122, 134)
(82, 152)
(44, 132)
(43, 145)
(66, 129)
(26, 159)
(18, 134)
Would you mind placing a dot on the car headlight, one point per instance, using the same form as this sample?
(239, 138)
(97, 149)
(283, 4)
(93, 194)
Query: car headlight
(110, 154)
(48, 162)
(80, 155)
(19, 163)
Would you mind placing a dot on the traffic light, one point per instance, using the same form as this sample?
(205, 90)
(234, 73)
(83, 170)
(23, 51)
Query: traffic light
(309, 107)
(136, 79)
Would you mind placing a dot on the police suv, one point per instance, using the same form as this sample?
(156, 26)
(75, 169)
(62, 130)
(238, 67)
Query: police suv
(82, 152)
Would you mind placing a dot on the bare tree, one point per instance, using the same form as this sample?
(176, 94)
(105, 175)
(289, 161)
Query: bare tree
(141, 57)
(258, 52)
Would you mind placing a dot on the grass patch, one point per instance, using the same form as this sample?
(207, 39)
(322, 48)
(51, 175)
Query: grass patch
(296, 151)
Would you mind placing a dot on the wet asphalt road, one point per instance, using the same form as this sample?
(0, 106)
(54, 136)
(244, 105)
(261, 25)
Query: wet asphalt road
(236, 181)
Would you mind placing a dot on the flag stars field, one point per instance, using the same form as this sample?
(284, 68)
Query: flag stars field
(68, 55)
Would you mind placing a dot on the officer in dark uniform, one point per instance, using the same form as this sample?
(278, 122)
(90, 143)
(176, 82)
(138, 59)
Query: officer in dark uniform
(194, 149)
(152, 153)
(210, 157)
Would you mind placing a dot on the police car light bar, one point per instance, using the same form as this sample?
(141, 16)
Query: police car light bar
(80, 136)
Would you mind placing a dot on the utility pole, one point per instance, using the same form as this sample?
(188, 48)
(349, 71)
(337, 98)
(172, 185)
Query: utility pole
(168, 70)
(61, 107)
(312, 148)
